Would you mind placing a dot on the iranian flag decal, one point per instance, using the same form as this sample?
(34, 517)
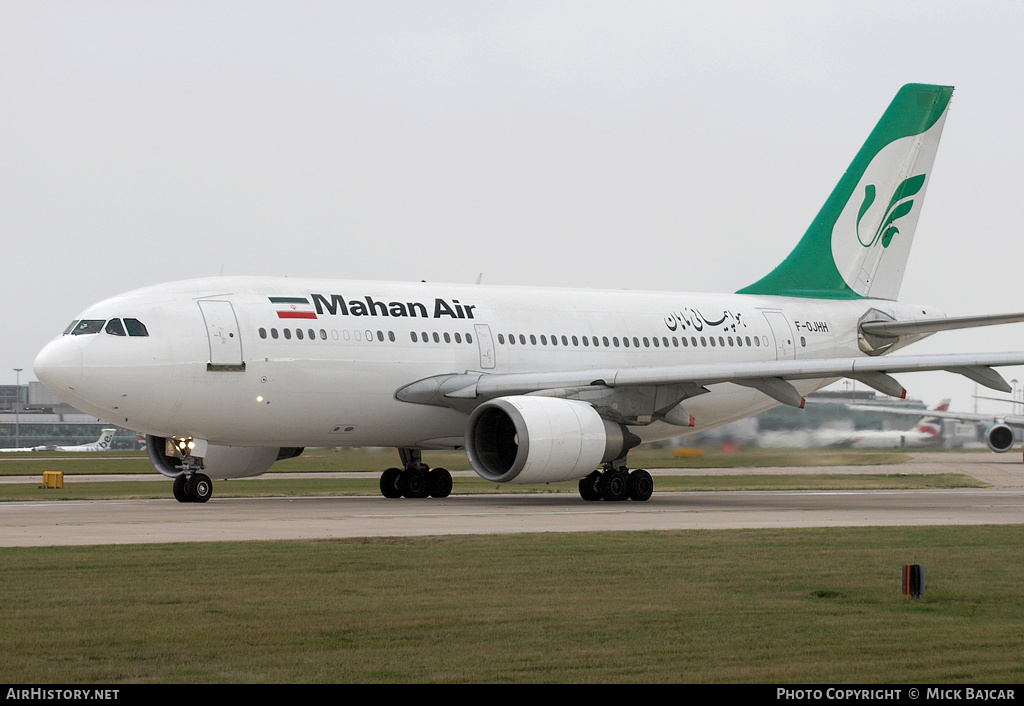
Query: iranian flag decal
(293, 308)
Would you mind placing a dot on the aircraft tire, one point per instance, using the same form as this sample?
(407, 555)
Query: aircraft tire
(390, 483)
(640, 485)
(590, 486)
(199, 488)
(180, 492)
(614, 486)
(439, 483)
(414, 483)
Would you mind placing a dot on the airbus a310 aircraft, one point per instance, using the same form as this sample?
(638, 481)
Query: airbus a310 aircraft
(227, 376)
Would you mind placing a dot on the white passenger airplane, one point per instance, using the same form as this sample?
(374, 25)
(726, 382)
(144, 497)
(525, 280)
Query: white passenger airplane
(226, 376)
(927, 433)
(101, 444)
(999, 435)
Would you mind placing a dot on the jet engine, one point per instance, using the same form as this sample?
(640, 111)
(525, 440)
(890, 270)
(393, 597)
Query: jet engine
(528, 439)
(218, 461)
(999, 438)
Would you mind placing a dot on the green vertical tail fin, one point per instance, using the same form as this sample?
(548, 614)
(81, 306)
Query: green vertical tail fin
(859, 242)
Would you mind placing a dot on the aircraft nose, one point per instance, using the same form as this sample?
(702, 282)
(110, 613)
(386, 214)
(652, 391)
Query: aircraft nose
(59, 365)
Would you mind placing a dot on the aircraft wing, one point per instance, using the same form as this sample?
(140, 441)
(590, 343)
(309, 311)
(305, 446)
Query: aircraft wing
(660, 388)
(1014, 420)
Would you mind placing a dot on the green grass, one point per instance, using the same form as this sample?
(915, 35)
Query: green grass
(745, 606)
(319, 460)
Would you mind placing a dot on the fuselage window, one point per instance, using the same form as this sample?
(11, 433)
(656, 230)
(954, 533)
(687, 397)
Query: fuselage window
(88, 326)
(391, 336)
(511, 339)
(604, 340)
(625, 342)
(287, 333)
(533, 340)
(312, 334)
(380, 336)
(298, 334)
(447, 337)
(323, 335)
(575, 341)
(636, 342)
(263, 333)
(721, 342)
(685, 342)
(114, 327)
(655, 340)
(412, 335)
(522, 339)
(469, 338)
(693, 341)
(675, 342)
(426, 339)
(596, 342)
(712, 339)
(458, 338)
(501, 338)
(703, 342)
(437, 339)
(586, 341)
(615, 341)
(543, 339)
(273, 333)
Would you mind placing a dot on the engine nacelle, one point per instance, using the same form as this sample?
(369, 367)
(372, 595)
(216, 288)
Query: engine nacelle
(527, 439)
(218, 461)
(999, 438)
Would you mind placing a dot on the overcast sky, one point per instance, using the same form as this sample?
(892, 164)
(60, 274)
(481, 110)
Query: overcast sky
(639, 145)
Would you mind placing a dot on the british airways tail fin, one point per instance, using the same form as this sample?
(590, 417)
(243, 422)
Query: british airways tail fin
(859, 242)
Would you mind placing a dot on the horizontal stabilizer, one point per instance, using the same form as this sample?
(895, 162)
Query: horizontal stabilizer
(903, 328)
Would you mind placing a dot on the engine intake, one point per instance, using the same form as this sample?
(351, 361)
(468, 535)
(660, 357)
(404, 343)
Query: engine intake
(999, 438)
(528, 439)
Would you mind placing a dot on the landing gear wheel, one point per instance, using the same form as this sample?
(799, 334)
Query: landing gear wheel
(414, 483)
(614, 486)
(640, 485)
(199, 488)
(439, 483)
(390, 481)
(590, 486)
(180, 493)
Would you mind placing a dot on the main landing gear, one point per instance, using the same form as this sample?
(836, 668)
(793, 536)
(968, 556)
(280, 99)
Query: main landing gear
(416, 480)
(617, 482)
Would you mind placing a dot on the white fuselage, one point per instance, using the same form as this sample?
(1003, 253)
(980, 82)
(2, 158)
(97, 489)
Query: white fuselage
(291, 362)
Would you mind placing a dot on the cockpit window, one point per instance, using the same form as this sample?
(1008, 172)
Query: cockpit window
(71, 327)
(86, 326)
(135, 327)
(114, 327)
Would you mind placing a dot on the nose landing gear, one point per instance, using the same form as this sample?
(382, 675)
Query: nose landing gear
(191, 485)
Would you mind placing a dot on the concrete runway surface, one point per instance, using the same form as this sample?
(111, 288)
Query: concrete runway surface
(225, 519)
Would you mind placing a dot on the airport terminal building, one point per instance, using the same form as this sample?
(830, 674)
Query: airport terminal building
(31, 415)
